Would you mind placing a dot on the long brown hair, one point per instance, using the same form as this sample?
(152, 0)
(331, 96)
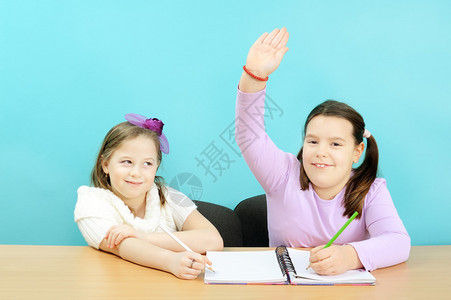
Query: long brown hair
(364, 175)
(112, 141)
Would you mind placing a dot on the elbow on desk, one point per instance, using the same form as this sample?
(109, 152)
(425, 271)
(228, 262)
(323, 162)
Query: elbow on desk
(402, 249)
(384, 252)
(215, 243)
(406, 248)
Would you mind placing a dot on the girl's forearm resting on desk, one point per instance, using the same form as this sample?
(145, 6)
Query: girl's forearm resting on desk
(185, 265)
(199, 240)
(198, 234)
(158, 250)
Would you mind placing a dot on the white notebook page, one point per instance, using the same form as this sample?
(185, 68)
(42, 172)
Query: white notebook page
(243, 267)
(300, 259)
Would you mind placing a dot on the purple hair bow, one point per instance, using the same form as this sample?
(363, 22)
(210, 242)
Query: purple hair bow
(153, 124)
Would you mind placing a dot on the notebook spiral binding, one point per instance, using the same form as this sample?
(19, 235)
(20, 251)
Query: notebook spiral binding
(285, 263)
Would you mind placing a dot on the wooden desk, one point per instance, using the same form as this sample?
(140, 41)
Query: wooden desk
(66, 272)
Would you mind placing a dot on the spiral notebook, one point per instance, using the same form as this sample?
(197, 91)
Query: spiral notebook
(282, 266)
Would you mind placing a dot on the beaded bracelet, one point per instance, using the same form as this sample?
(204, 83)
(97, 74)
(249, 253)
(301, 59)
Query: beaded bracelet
(254, 76)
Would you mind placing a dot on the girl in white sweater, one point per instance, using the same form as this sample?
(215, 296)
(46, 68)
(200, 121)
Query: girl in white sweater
(122, 213)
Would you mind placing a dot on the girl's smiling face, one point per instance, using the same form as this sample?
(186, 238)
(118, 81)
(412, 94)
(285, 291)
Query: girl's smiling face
(328, 154)
(132, 168)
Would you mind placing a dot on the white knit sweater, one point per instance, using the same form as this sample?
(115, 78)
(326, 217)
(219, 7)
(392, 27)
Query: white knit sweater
(98, 209)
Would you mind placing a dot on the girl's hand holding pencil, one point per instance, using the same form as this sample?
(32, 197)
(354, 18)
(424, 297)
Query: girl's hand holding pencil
(206, 263)
(333, 259)
(188, 265)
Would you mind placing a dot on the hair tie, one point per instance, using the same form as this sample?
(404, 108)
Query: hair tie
(366, 134)
(152, 124)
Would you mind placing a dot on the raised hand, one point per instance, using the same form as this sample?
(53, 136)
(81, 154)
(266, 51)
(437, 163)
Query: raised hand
(263, 58)
(267, 52)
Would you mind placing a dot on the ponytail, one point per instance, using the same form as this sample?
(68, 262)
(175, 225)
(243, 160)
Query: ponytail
(159, 181)
(359, 184)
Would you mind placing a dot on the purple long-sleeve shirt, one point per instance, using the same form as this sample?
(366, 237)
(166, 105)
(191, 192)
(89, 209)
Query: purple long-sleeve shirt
(298, 218)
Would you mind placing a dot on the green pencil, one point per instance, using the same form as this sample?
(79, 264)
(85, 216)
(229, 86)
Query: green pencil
(339, 232)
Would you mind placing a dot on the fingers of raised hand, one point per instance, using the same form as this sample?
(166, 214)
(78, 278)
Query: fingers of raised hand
(270, 37)
(278, 38)
(267, 52)
(284, 40)
(260, 40)
(277, 42)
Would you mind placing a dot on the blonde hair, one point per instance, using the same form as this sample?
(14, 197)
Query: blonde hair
(113, 140)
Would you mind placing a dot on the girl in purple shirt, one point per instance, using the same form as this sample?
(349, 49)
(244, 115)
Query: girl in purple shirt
(311, 195)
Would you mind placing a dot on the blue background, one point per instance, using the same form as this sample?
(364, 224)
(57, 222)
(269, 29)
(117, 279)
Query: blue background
(70, 70)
